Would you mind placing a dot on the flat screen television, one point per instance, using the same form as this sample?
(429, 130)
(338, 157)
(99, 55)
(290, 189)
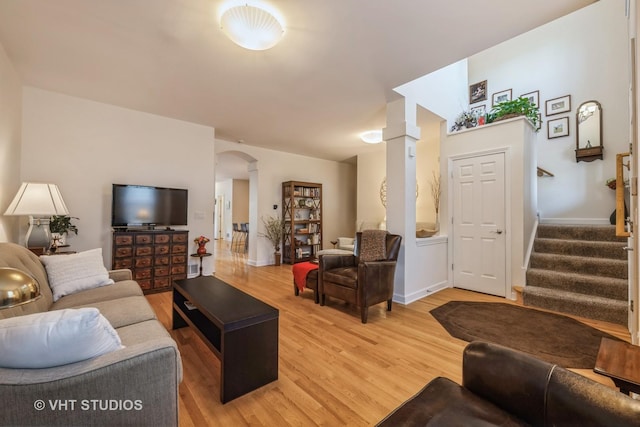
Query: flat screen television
(141, 205)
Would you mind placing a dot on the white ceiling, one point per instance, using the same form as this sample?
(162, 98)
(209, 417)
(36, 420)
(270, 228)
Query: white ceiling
(329, 79)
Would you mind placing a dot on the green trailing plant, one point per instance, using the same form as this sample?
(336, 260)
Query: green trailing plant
(62, 224)
(273, 230)
(516, 107)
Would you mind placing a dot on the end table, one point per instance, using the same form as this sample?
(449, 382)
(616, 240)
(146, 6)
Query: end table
(619, 361)
(201, 256)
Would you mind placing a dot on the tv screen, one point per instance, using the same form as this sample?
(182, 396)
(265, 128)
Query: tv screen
(139, 205)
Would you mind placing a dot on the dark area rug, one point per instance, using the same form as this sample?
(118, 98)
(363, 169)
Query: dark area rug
(552, 337)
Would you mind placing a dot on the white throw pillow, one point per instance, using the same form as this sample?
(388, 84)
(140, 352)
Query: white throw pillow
(73, 273)
(55, 338)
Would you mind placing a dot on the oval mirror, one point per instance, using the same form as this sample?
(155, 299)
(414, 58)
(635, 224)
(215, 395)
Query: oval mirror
(589, 145)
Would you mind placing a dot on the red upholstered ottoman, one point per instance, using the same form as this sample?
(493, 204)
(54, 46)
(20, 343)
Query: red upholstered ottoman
(305, 275)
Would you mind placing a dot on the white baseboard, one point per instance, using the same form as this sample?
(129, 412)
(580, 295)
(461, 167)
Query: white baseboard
(415, 296)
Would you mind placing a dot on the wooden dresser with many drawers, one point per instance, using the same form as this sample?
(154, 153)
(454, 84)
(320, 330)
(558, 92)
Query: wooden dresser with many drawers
(155, 257)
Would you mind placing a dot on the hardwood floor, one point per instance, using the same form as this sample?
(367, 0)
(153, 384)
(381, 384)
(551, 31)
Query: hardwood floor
(334, 371)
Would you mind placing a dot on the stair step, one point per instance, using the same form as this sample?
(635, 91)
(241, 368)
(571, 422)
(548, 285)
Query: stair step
(591, 307)
(606, 287)
(586, 248)
(575, 264)
(605, 233)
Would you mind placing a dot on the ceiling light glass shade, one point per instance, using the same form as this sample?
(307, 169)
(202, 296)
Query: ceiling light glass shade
(372, 136)
(252, 25)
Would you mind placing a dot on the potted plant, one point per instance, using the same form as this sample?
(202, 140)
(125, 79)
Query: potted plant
(273, 231)
(514, 108)
(465, 120)
(60, 226)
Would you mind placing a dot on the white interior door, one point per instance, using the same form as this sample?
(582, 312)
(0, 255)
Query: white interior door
(479, 241)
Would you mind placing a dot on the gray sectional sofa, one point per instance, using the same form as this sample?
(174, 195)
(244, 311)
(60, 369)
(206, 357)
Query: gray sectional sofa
(135, 385)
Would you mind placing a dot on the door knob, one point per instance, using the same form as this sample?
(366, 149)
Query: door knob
(497, 232)
(627, 248)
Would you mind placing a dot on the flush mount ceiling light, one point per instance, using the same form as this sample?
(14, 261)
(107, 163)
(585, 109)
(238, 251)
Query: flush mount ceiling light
(372, 136)
(252, 25)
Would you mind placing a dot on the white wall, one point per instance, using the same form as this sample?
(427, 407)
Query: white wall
(584, 55)
(370, 172)
(10, 136)
(338, 181)
(86, 146)
(240, 204)
(445, 92)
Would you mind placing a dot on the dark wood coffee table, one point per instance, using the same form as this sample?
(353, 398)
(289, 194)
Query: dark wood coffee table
(240, 330)
(619, 361)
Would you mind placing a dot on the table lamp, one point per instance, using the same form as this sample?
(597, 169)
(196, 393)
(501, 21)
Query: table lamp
(17, 288)
(39, 202)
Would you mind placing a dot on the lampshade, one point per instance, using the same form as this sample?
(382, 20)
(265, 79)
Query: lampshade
(372, 136)
(37, 200)
(17, 287)
(251, 25)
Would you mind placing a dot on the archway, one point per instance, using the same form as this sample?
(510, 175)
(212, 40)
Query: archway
(236, 169)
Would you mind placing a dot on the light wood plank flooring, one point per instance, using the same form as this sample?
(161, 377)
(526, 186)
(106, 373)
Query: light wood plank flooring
(334, 371)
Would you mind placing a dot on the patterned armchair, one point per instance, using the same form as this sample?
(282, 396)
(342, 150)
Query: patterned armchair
(365, 278)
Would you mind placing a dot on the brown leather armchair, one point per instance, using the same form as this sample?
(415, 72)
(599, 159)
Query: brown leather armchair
(505, 387)
(363, 283)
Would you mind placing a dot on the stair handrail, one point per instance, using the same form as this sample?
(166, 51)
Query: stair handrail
(543, 172)
(621, 221)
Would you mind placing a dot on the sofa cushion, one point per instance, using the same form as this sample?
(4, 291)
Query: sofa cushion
(126, 288)
(125, 311)
(444, 403)
(346, 243)
(55, 338)
(69, 274)
(142, 332)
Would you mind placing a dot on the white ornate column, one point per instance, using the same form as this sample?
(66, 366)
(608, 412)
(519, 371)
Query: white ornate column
(401, 135)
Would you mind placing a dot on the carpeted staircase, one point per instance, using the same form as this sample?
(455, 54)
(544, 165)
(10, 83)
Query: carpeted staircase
(580, 270)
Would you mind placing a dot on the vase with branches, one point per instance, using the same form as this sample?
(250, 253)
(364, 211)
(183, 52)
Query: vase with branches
(273, 231)
(436, 191)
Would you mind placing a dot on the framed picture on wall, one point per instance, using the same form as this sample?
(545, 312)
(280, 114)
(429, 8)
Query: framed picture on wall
(558, 105)
(558, 128)
(479, 110)
(478, 92)
(533, 97)
(502, 96)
